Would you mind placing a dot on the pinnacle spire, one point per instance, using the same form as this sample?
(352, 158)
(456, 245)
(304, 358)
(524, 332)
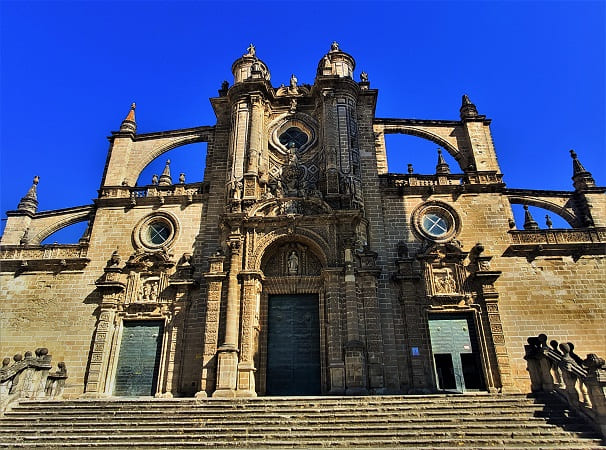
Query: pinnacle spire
(468, 109)
(442, 168)
(165, 178)
(529, 222)
(29, 203)
(581, 177)
(129, 124)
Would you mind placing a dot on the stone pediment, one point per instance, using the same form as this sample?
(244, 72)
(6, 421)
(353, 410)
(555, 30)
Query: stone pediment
(291, 206)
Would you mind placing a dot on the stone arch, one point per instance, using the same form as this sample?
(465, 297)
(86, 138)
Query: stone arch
(61, 222)
(424, 134)
(561, 211)
(159, 149)
(281, 236)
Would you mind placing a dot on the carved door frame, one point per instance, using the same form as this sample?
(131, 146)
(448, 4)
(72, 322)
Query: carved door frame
(290, 285)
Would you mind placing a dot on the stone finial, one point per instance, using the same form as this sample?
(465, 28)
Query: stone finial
(581, 177)
(442, 168)
(334, 47)
(29, 203)
(165, 178)
(529, 222)
(468, 110)
(129, 124)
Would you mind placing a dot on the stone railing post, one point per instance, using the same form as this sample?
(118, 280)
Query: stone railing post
(569, 377)
(596, 389)
(538, 366)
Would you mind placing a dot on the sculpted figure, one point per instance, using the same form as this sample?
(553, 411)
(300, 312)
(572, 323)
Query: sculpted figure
(293, 263)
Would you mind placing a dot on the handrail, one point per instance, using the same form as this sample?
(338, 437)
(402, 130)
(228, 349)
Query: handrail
(29, 377)
(581, 382)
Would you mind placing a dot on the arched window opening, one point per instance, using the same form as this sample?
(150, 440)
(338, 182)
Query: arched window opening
(70, 234)
(188, 159)
(540, 216)
(404, 149)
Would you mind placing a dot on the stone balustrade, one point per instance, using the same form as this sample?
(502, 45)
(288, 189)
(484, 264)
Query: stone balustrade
(28, 377)
(51, 251)
(590, 235)
(556, 368)
(153, 190)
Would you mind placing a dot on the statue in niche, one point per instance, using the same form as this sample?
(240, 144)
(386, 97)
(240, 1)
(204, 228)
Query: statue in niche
(237, 190)
(153, 295)
(292, 264)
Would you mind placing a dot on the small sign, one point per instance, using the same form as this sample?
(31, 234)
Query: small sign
(415, 351)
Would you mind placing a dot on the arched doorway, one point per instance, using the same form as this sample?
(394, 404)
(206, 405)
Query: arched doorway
(291, 355)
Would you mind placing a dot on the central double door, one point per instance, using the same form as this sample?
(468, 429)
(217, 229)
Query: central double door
(293, 345)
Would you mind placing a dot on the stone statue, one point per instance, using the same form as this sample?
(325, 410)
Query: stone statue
(364, 77)
(182, 178)
(293, 263)
(114, 259)
(334, 47)
(155, 179)
(153, 295)
(251, 51)
(293, 105)
(293, 81)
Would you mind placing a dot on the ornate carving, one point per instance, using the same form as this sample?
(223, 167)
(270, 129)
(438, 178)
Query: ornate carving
(291, 259)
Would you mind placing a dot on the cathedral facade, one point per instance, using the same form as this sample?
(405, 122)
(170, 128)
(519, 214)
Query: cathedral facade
(301, 265)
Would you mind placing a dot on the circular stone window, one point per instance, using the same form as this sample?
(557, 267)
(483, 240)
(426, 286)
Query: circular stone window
(436, 221)
(155, 231)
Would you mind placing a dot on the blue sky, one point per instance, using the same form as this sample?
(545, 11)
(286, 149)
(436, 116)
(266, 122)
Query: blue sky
(69, 71)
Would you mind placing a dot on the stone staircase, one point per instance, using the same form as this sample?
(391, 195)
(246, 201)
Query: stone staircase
(436, 421)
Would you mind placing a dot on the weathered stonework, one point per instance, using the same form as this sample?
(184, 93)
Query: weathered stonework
(298, 203)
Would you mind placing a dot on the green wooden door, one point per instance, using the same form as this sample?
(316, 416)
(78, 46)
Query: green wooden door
(455, 352)
(293, 345)
(139, 358)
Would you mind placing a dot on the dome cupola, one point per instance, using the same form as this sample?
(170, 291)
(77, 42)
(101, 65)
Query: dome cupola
(249, 67)
(336, 62)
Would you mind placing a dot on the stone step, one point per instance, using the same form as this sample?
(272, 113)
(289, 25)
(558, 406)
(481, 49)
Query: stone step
(256, 407)
(276, 401)
(446, 421)
(263, 441)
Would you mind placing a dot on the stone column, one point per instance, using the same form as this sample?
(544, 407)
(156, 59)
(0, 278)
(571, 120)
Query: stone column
(173, 360)
(256, 133)
(330, 142)
(355, 361)
(336, 365)
(374, 340)
(227, 366)
(250, 308)
(99, 358)
(214, 281)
